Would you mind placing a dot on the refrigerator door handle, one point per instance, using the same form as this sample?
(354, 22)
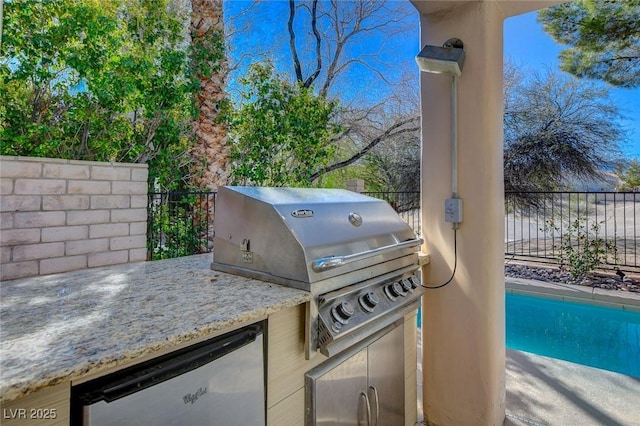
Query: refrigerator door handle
(148, 374)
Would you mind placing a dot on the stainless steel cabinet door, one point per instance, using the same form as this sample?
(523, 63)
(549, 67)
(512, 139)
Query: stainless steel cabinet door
(386, 378)
(340, 394)
(362, 386)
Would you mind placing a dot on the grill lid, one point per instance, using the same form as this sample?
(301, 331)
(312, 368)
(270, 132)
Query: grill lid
(298, 236)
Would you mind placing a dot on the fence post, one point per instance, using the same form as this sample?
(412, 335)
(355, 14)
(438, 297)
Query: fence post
(355, 185)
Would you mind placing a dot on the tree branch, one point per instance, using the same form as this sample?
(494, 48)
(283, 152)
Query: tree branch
(292, 40)
(392, 131)
(314, 25)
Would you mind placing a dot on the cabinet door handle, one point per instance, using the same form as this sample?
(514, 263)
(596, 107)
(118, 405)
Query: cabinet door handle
(375, 394)
(368, 406)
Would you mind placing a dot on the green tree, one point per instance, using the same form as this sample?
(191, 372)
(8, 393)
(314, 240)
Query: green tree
(630, 175)
(603, 38)
(555, 128)
(96, 80)
(281, 134)
(343, 51)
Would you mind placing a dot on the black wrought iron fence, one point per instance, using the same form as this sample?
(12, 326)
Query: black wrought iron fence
(539, 224)
(406, 204)
(536, 224)
(179, 224)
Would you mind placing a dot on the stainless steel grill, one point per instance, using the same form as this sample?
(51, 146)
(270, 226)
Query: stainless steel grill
(352, 252)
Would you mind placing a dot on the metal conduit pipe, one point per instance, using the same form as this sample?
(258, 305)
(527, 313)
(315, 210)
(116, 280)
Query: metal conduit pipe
(448, 59)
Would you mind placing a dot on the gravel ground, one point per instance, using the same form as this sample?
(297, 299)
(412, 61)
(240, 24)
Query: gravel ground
(601, 280)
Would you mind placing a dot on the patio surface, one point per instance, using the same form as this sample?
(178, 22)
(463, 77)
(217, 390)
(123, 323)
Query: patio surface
(547, 391)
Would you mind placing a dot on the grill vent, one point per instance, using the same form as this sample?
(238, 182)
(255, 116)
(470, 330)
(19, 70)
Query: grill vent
(324, 336)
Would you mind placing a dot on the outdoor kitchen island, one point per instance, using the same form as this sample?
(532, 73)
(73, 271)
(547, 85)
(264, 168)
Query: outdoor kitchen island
(60, 331)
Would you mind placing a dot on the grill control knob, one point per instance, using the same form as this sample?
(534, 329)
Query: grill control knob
(414, 281)
(395, 290)
(343, 312)
(406, 285)
(369, 301)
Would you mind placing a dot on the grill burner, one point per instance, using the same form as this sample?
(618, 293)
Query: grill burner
(352, 252)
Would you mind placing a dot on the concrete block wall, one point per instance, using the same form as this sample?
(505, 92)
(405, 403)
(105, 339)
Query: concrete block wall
(62, 215)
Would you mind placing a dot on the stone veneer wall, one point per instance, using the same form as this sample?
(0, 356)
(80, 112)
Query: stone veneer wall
(62, 215)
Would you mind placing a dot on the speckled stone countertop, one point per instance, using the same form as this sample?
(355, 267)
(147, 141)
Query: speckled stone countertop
(62, 327)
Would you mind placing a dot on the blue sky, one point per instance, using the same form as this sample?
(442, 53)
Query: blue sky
(527, 43)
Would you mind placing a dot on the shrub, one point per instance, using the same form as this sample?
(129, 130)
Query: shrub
(581, 250)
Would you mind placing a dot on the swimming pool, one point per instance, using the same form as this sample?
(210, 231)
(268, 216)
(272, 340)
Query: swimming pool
(596, 336)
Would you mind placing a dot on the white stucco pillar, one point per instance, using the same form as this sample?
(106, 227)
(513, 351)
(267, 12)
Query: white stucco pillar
(463, 323)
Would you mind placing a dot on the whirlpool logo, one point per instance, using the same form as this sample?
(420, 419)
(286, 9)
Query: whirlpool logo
(191, 398)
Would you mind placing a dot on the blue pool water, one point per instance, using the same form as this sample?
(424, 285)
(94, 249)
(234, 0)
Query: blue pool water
(590, 335)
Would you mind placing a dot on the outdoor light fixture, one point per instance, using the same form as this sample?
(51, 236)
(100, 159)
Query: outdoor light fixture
(447, 59)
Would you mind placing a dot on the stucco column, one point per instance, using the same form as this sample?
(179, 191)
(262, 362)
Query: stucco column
(463, 323)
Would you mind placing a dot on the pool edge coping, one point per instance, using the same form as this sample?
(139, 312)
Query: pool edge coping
(572, 293)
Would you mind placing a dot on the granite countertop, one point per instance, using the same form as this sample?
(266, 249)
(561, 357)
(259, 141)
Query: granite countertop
(62, 327)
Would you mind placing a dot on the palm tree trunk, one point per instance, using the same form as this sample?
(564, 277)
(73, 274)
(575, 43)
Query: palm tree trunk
(209, 152)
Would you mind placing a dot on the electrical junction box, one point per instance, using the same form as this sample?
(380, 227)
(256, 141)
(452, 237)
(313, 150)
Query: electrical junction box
(453, 210)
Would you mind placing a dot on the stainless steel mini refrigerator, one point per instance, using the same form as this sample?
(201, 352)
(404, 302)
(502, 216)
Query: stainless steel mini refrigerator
(217, 382)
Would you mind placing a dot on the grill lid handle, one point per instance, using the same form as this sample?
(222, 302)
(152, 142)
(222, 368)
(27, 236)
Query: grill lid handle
(330, 262)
